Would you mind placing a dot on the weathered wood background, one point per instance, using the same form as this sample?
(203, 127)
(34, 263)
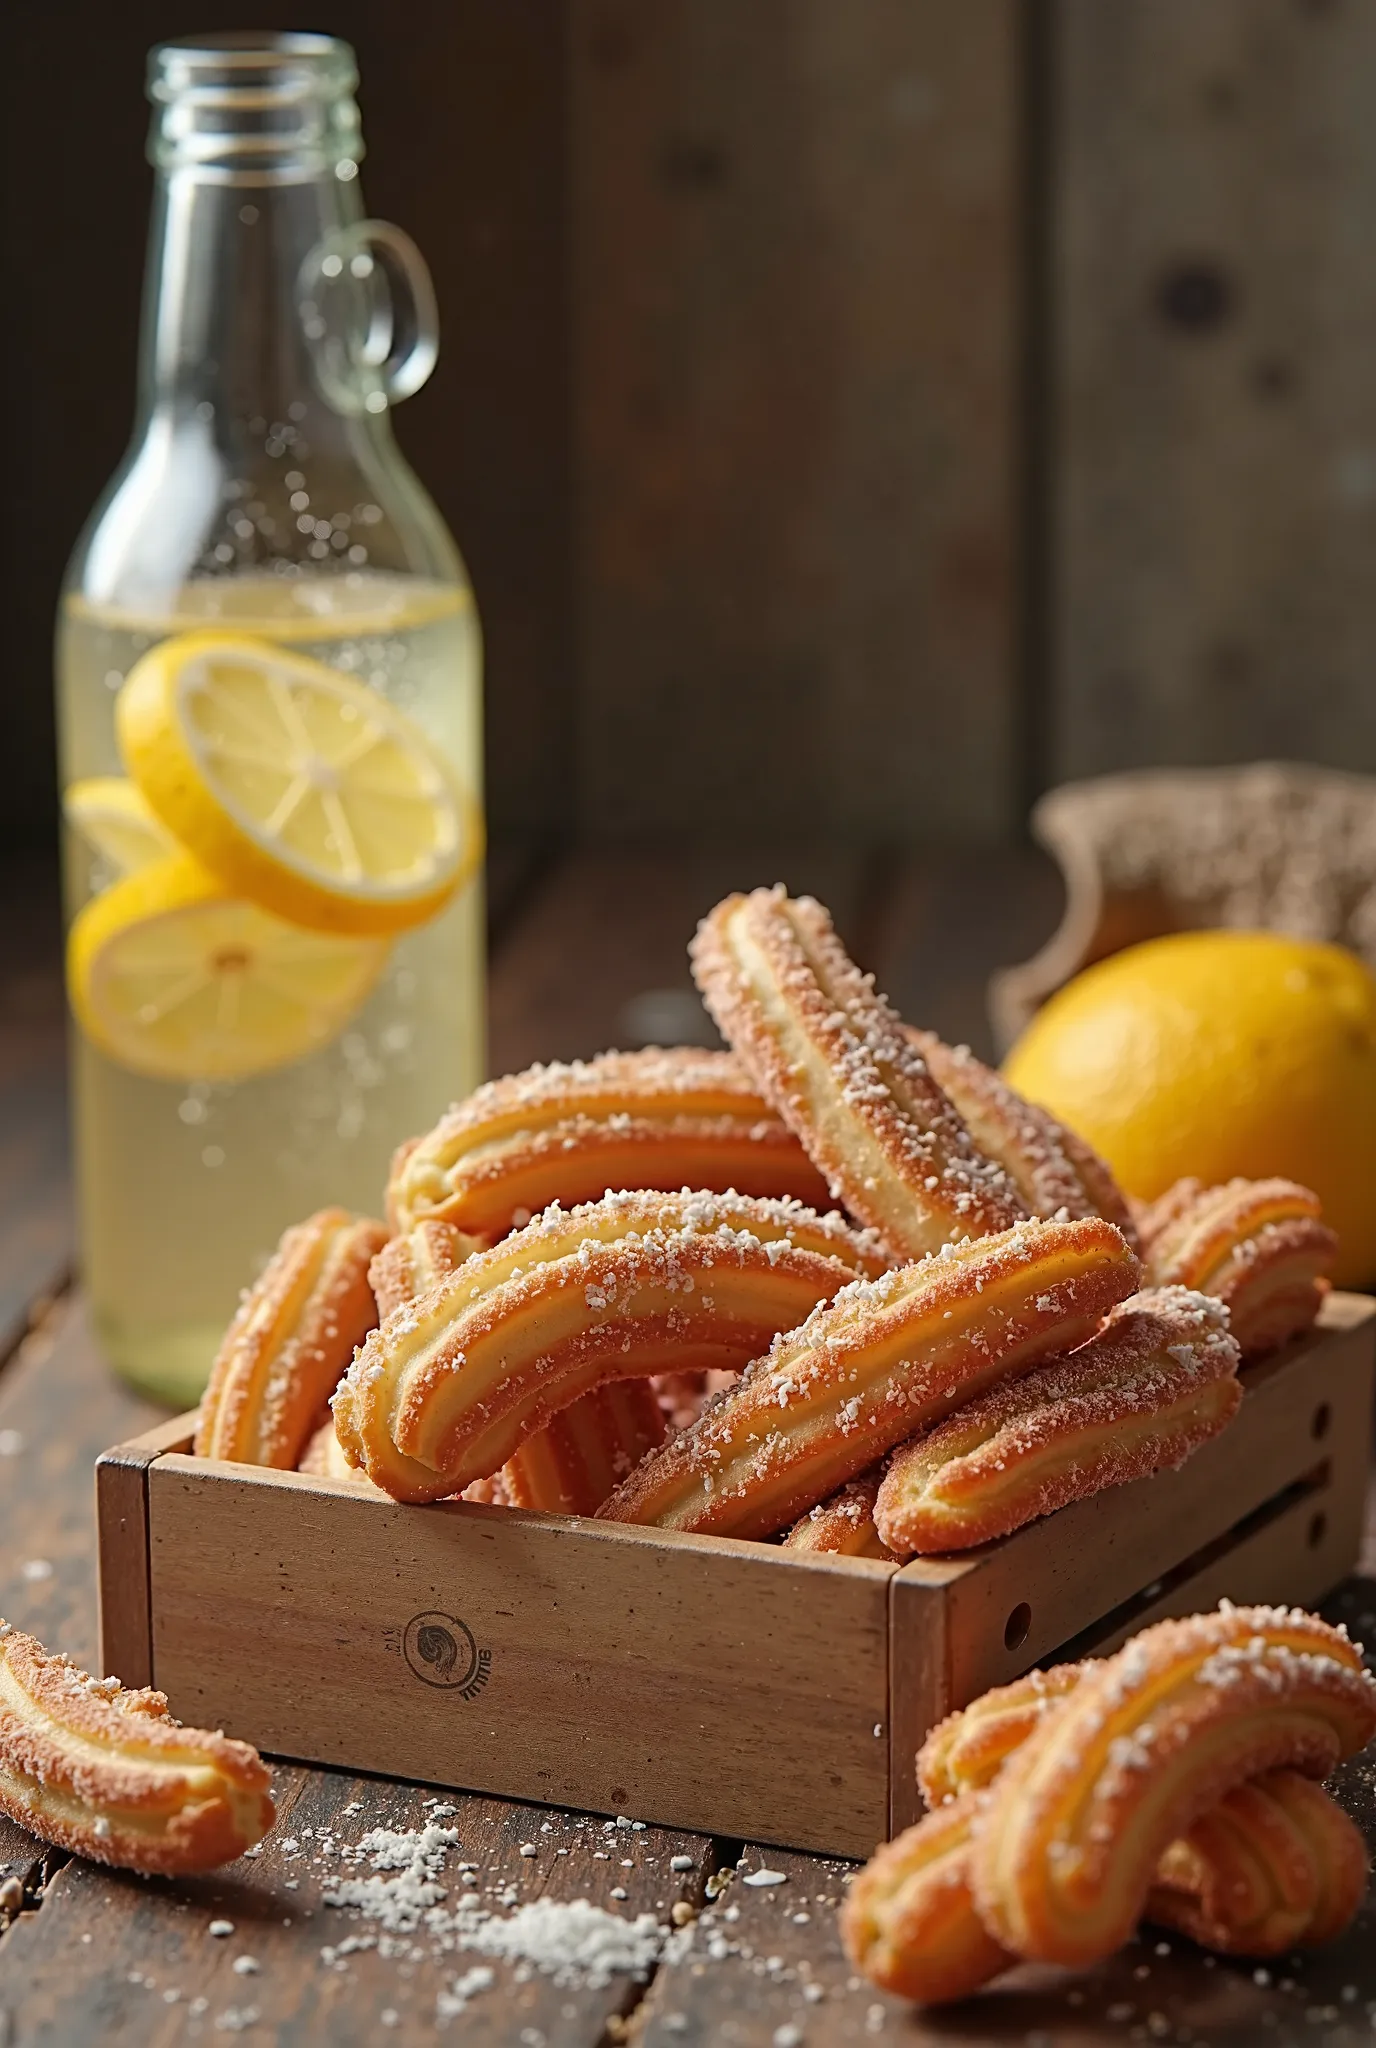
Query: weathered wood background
(856, 417)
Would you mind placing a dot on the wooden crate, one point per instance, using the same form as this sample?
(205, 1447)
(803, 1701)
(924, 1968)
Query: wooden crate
(691, 1680)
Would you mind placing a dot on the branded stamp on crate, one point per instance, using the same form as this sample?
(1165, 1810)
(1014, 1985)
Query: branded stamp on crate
(441, 1651)
(710, 1683)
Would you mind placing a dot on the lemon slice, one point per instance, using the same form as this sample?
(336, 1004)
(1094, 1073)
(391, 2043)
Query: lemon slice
(297, 786)
(116, 823)
(171, 976)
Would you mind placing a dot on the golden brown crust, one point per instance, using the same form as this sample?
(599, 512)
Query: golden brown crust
(653, 1119)
(1146, 1743)
(1276, 1865)
(966, 1751)
(571, 1465)
(909, 1919)
(109, 1774)
(1260, 1246)
(836, 1063)
(409, 1264)
(887, 1358)
(293, 1334)
(843, 1525)
(624, 1288)
(1049, 1165)
(1157, 1381)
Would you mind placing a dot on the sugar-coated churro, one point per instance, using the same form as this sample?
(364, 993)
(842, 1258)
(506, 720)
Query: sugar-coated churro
(1275, 1865)
(1146, 1743)
(409, 1264)
(1051, 1167)
(636, 1284)
(655, 1119)
(289, 1342)
(909, 1919)
(1261, 1246)
(834, 1060)
(966, 1751)
(884, 1360)
(1157, 1381)
(844, 1524)
(571, 1465)
(109, 1774)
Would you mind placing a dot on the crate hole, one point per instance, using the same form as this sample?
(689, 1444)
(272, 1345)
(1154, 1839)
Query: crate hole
(1318, 1529)
(1016, 1627)
(1323, 1416)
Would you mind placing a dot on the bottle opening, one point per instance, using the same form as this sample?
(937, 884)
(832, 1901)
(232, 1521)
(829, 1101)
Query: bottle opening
(255, 105)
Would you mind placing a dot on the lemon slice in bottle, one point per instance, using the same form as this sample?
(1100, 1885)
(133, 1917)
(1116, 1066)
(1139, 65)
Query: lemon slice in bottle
(173, 977)
(297, 786)
(116, 823)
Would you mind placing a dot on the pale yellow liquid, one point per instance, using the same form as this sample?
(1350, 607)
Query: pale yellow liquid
(184, 1188)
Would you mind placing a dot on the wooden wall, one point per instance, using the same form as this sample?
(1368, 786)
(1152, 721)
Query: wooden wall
(1214, 316)
(793, 265)
(855, 415)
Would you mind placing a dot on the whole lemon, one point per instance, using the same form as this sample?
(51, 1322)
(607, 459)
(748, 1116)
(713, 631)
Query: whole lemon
(1218, 1053)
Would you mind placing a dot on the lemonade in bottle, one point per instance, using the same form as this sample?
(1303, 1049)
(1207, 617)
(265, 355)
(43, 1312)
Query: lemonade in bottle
(269, 694)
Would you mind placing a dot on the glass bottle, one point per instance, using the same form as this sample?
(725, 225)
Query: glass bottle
(263, 501)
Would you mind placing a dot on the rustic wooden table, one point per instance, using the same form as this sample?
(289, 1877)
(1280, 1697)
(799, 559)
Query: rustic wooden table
(588, 950)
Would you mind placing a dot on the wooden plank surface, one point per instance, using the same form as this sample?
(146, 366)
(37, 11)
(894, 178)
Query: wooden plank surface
(1214, 461)
(794, 337)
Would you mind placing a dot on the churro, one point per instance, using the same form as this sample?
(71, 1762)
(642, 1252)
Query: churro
(109, 1774)
(1261, 1246)
(966, 1751)
(410, 1263)
(843, 1525)
(839, 1067)
(1275, 1865)
(887, 1358)
(1158, 1380)
(1051, 1167)
(1147, 1742)
(637, 1284)
(909, 1920)
(571, 1465)
(289, 1342)
(653, 1119)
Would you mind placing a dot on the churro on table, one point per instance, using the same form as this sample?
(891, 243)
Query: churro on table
(1174, 1780)
(451, 1385)
(1276, 1865)
(109, 1774)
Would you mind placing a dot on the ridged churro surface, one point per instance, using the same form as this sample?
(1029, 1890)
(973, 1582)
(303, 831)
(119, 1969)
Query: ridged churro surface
(109, 1774)
(834, 1060)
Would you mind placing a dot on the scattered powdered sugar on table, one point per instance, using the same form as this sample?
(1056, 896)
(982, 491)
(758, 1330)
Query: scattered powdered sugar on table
(407, 1902)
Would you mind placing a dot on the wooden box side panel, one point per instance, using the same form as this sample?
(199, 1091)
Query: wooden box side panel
(1308, 1410)
(700, 1684)
(126, 1638)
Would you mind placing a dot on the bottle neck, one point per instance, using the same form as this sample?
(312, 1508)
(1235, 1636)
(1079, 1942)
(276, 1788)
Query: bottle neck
(224, 334)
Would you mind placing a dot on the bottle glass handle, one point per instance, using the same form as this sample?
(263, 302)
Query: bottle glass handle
(368, 313)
